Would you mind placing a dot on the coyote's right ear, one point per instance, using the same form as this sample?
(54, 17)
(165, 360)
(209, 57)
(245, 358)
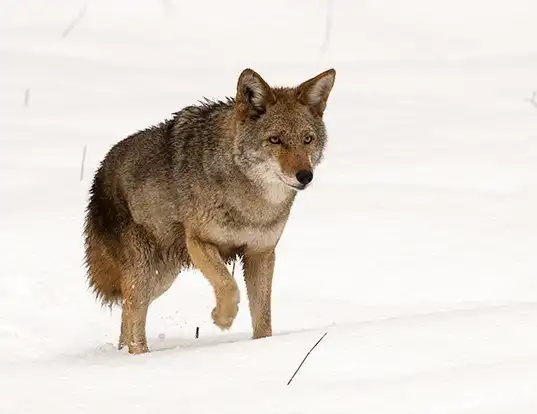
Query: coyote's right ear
(253, 95)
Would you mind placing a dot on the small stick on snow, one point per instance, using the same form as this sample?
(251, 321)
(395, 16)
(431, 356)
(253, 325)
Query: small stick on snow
(83, 162)
(197, 332)
(74, 22)
(26, 97)
(328, 26)
(533, 99)
(307, 355)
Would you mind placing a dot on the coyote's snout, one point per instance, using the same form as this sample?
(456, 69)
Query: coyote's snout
(214, 183)
(297, 171)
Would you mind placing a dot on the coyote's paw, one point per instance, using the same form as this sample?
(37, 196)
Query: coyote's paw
(138, 348)
(226, 310)
(224, 319)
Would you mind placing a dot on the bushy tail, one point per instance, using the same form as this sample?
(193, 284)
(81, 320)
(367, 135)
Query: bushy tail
(105, 219)
(104, 275)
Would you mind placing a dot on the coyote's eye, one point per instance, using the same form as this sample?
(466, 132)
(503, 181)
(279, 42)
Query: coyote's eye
(275, 140)
(308, 139)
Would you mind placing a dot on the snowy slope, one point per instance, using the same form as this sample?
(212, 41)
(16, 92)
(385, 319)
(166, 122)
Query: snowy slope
(414, 249)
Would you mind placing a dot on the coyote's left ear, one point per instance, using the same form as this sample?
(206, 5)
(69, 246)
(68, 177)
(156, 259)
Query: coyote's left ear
(314, 92)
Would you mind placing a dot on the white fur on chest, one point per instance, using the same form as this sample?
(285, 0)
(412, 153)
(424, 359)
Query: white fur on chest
(276, 193)
(274, 190)
(252, 237)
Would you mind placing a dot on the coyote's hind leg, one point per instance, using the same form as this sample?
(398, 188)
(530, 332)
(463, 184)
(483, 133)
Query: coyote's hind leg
(123, 337)
(133, 317)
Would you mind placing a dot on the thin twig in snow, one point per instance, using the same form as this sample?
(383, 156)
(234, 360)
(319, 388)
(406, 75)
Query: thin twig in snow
(328, 26)
(83, 162)
(307, 355)
(74, 22)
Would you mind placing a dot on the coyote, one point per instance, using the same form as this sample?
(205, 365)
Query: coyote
(214, 183)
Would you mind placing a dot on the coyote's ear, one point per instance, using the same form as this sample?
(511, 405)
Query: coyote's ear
(314, 92)
(253, 95)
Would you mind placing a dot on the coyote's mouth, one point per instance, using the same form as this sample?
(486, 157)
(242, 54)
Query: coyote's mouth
(294, 186)
(297, 187)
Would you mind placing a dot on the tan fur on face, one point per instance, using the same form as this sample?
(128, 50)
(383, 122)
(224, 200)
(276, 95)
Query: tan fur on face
(293, 160)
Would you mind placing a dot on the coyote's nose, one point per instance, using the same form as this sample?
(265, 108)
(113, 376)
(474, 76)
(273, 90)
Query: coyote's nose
(304, 177)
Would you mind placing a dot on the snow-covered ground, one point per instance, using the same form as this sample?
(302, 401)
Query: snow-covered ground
(415, 249)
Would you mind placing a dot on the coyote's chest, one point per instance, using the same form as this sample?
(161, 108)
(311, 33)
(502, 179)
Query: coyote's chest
(250, 237)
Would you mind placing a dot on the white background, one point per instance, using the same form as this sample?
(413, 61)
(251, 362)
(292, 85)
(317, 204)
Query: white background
(415, 248)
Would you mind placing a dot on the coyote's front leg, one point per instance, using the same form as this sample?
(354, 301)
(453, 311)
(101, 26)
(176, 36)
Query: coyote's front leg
(258, 272)
(207, 259)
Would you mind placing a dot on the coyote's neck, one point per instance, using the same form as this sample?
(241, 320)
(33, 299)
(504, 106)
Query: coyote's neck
(277, 193)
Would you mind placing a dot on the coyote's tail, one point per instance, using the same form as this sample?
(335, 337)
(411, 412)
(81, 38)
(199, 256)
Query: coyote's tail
(102, 228)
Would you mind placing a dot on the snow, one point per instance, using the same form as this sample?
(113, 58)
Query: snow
(415, 248)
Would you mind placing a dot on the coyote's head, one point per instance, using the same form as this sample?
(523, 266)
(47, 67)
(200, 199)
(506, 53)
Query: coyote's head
(279, 132)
